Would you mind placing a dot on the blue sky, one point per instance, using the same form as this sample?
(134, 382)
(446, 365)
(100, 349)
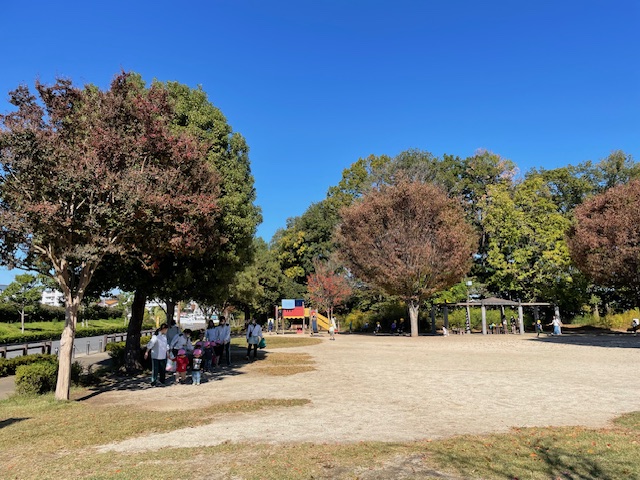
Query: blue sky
(314, 85)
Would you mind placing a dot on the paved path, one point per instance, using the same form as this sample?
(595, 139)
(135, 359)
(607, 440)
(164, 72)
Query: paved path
(403, 389)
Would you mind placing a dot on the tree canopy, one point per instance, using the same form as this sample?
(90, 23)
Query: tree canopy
(86, 173)
(409, 240)
(605, 238)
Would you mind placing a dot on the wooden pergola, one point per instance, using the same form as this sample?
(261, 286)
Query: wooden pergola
(490, 302)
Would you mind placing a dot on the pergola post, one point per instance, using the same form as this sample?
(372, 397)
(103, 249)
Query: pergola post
(433, 319)
(483, 309)
(445, 313)
(520, 319)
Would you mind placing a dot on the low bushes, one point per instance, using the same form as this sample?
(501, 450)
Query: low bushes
(615, 321)
(116, 351)
(40, 377)
(8, 366)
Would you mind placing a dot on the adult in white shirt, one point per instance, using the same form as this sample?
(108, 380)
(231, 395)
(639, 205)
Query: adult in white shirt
(254, 334)
(181, 341)
(223, 338)
(158, 348)
(210, 333)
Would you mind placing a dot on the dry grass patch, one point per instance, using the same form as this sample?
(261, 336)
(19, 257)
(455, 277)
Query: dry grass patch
(531, 453)
(280, 341)
(43, 429)
(281, 364)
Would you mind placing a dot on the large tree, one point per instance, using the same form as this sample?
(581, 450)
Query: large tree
(527, 254)
(604, 240)
(87, 173)
(409, 240)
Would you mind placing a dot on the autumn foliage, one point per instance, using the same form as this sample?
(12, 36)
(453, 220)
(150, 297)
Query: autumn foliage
(86, 173)
(604, 240)
(409, 240)
(326, 288)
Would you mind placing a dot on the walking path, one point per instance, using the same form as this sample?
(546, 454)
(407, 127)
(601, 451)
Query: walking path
(401, 389)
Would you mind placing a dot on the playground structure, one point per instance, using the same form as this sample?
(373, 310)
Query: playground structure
(299, 318)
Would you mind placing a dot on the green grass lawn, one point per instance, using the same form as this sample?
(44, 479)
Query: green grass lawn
(39, 331)
(55, 327)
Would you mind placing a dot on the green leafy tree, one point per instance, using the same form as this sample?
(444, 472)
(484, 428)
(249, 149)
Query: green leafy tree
(527, 253)
(88, 173)
(206, 276)
(24, 293)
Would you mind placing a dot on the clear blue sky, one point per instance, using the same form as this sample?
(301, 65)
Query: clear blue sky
(314, 85)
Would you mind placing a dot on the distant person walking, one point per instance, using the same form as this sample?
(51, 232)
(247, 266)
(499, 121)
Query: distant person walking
(254, 334)
(556, 325)
(158, 348)
(401, 327)
(332, 329)
(539, 329)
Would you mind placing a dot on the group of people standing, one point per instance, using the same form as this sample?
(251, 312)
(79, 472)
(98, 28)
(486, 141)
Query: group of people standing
(172, 350)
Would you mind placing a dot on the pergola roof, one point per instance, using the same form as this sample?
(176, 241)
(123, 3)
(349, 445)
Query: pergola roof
(496, 302)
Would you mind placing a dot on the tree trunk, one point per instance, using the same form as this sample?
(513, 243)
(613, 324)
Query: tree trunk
(171, 310)
(65, 357)
(413, 316)
(132, 347)
(22, 319)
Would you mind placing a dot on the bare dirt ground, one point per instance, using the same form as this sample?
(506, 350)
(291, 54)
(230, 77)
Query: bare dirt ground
(402, 389)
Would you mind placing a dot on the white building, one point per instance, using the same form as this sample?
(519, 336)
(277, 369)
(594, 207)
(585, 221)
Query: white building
(51, 297)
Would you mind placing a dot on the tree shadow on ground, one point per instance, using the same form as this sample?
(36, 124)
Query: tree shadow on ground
(11, 421)
(550, 460)
(118, 381)
(592, 337)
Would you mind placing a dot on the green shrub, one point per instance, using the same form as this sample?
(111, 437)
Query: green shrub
(356, 318)
(116, 351)
(81, 332)
(40, 377)
(36, 379)
(8, 366)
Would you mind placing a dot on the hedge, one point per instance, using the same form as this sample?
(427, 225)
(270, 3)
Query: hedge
(38, 378)
(8, 366)
(46, 313)
(81, 332)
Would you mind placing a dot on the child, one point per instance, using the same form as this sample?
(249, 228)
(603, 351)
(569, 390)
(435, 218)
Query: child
(208, 357)
(195, 369)
(182, 361)
(378, 328)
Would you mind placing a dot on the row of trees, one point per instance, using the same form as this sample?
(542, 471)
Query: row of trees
(142, 188)
(520, 225)
(149, 190)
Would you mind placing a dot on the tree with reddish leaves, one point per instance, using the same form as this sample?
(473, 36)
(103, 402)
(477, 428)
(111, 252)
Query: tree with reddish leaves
(326, 288)
(409, 240)
(88, 173)
(604, 239)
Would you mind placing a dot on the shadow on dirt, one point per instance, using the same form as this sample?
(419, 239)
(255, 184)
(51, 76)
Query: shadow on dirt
(591, 337)
(117, 381)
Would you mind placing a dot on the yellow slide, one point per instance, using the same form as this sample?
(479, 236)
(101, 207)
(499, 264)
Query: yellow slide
(323, 322)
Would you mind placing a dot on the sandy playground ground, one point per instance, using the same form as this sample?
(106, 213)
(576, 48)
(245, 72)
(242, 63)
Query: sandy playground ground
(401, 389)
